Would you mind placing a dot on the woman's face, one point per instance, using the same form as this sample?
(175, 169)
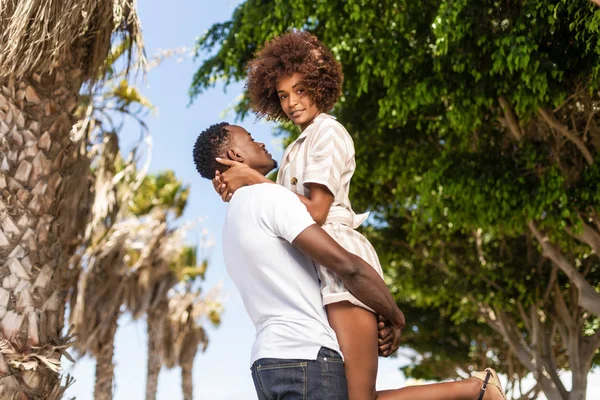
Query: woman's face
(295, 102)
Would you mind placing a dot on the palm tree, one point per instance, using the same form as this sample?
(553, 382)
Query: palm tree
(147, 289)
(98, 302)
(134, 261)
(126, 265)
(158, 268)
(185, 332)
(161, 336)
(49, 49)
(173, 321)
(110, 234)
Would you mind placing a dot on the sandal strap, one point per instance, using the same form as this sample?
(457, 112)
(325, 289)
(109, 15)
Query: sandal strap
(484, 386)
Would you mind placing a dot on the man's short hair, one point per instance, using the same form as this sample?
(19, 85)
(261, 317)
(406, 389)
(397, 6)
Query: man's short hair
(211, 143)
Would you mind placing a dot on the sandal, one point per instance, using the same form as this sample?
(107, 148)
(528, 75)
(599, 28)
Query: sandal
(489, 377)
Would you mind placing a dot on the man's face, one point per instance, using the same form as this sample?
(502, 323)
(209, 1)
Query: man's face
(251, 153)
(295, 102)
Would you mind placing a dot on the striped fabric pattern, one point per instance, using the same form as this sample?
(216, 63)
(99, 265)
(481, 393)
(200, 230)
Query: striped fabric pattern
(324, 154)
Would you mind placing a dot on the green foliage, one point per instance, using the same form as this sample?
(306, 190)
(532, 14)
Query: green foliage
(127, 95)
(187, 267)
(118, 51)
(162, 190)
(451, 186)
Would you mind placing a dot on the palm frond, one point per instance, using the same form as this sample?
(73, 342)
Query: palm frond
(73, 33)
(186, 334)
(162, 190)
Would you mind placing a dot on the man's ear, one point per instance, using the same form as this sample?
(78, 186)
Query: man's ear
(233, 155)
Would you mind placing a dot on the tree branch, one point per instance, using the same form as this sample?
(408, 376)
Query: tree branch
(510, 119)
(536, 330)
(533, 392)
(594, 216)
(588, 298)
(553, 276)
(549, 353)
(515, 342)
(588, 123)
(579, 89)
(524, 317)
(562, 311)
(588, 348)
(563, 130)
(542, 348)
(541, 367)
(553, 389)
(588, 236)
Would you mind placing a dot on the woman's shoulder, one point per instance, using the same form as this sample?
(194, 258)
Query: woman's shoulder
(326, 120)
(326, 123)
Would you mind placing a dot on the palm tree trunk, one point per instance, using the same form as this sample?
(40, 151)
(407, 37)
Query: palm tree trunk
(103, 387)
(47, 50)
(154, 353)
(187, 385)
(43, 186)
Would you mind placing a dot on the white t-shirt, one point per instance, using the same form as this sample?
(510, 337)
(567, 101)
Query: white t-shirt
(278, 284)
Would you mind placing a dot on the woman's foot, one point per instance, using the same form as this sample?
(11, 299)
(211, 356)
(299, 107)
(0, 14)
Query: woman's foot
(491, 388)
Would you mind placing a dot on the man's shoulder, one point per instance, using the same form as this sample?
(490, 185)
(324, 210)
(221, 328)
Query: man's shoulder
(269, 189)
(265, 193)
(273, 208)
(252, 203)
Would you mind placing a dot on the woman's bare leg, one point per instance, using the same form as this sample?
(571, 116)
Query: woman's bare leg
(467, 389)
(356, 330)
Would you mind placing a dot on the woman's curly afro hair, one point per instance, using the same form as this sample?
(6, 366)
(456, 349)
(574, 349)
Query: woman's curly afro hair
(290, 53)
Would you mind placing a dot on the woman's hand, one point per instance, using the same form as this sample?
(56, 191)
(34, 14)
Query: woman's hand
(228, 182)
(221, 188)
(236, 176)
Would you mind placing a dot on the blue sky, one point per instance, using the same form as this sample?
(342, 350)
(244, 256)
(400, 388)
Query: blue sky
(222, 372)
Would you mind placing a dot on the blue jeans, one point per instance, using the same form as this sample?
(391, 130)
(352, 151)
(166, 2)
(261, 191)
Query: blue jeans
(323, 378)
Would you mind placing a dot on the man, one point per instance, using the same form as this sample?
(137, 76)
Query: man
(269, 242)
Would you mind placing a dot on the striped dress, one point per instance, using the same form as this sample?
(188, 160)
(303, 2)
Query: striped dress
(324, 154)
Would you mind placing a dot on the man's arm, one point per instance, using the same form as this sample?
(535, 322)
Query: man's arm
(282, 213)
(358, 276)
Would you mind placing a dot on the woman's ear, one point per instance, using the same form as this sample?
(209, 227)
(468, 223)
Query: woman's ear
(233, 155)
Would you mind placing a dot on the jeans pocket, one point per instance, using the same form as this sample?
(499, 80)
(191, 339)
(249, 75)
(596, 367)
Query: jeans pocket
(285, 380)
(327, 377)
(329, 355)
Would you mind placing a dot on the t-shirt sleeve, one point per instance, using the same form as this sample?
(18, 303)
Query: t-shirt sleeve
(327, 157)
(283, 214)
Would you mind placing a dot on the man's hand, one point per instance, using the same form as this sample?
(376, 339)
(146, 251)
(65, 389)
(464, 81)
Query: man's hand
(389, 336)
(385, 337)
(236, 176)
